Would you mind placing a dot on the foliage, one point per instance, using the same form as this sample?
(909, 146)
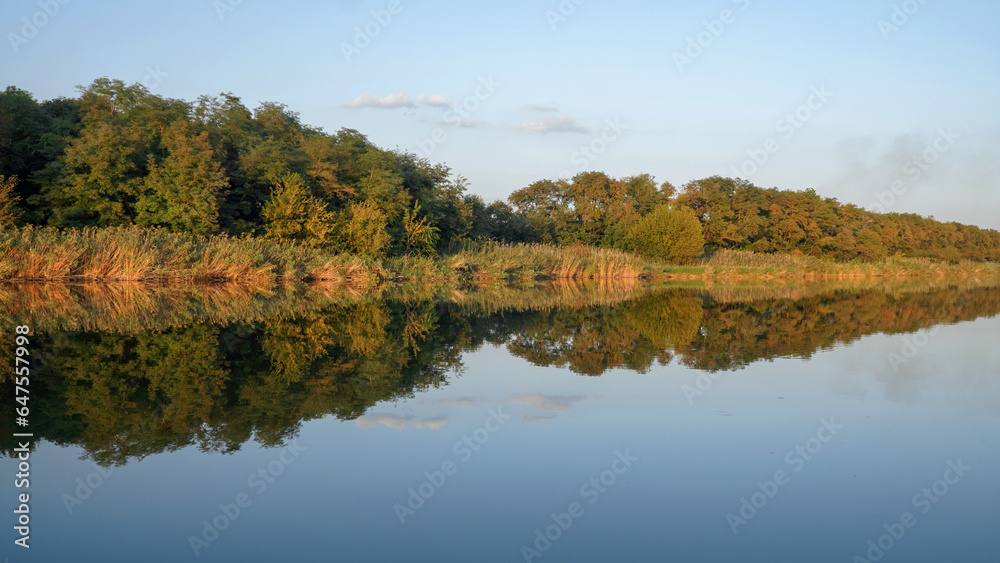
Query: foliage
(183, 190)
(674, 235)
(292, 214)
(363, 231)
(133, 253)
(421, 237)
(9, 212)
(736, 214)
(118, 154)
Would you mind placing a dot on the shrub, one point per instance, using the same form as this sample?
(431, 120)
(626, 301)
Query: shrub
(674, 235)
(363, 230)
(292, 214)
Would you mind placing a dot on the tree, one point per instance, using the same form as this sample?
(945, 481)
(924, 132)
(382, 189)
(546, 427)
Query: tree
(32, 138)
(182, 191)
(9, 212)
(545, 206)
(497, 221)
(591, 195)
(630, 198)
(674, 235)
(363, 230)
(420, 236)
(292, 214)
(711, 201)
(100, 174)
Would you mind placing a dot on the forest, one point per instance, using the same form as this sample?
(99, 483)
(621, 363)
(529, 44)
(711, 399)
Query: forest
(119, 155)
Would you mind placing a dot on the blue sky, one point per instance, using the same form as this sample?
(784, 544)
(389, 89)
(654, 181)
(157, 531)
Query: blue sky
(506, 93)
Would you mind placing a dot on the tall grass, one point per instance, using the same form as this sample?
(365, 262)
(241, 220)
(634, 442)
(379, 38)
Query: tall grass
(741, 264)
(135, 254)
(532, 261)
(132, 254)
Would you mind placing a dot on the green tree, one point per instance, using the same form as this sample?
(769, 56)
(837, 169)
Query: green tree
(9, 212)
(674, 235)
(420, 236)
(32, 138)
(545, 207)
(363, 230)
(183, 190)
(293, 214)
(100, 174)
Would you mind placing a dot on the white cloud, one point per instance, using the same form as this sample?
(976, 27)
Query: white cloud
(555, 123)
(400, 100)
(546, 420)
(460, 122)
(396, 101)
(432, 423)
(366, 99)
(435, 100)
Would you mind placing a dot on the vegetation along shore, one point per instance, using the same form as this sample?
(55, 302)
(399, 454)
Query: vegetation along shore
(122, 184)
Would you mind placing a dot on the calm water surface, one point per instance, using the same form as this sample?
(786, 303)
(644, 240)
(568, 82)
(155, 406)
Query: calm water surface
(644, 425)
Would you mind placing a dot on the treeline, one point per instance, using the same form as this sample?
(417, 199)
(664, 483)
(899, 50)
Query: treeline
(118, 154)
(719, 213)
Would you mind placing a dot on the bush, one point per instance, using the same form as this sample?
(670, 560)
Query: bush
(674, 235)
(292, 214)
(363, 232)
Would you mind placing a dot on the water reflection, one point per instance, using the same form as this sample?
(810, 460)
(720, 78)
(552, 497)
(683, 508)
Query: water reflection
(129, 371)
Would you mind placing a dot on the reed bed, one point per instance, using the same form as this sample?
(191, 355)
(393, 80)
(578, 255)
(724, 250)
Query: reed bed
(136, 254)
(742, 290)
(741, 264)
(545, 261)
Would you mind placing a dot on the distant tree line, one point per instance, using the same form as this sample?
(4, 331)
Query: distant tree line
(118, 154)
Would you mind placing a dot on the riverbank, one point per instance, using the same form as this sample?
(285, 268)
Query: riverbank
(742, 265)
(135, 254)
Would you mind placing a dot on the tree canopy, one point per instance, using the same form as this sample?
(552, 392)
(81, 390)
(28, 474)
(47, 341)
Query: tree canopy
(117, 154)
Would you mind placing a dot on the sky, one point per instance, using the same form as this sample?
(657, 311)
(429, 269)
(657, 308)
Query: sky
(890, 105)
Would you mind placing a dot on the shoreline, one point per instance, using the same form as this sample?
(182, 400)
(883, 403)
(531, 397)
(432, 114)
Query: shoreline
(132, 254)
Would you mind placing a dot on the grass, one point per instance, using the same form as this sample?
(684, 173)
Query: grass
(135, 254)
(544, 261)
(740, 264)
